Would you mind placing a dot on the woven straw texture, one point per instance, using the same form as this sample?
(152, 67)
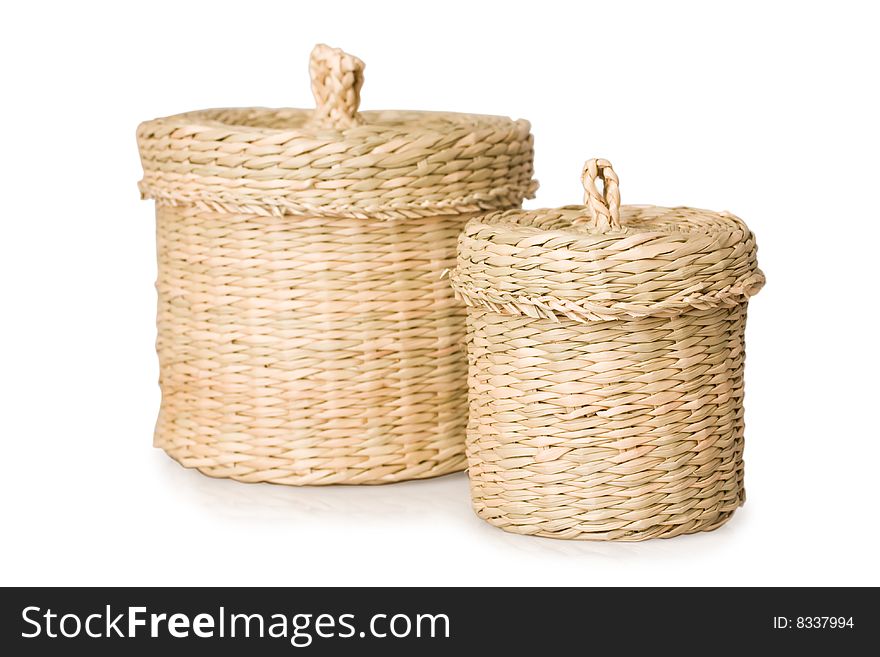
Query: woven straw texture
(606, 366)
(306, 334)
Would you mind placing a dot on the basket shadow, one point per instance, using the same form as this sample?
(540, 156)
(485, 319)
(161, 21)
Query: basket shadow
(446, 500)
(263, 502)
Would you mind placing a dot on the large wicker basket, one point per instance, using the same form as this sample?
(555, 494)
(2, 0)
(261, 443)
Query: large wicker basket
(306, 332)
(606, 366)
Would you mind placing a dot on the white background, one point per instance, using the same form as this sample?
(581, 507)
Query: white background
(769, 110)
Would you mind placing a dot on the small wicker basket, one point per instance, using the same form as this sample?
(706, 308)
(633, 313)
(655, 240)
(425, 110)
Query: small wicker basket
(606, 366)
(306, 334)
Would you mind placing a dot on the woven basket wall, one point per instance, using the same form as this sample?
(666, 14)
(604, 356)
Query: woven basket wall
(606, 366)
(306, 332)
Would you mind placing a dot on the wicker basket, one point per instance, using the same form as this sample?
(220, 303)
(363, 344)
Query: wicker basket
(606, 366)
(306, 334)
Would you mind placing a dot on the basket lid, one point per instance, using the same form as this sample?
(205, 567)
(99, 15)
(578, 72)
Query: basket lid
(335, 160)
(603, 261)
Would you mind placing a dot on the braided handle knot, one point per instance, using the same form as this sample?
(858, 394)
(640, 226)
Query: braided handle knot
(603, 207)
(337, 78)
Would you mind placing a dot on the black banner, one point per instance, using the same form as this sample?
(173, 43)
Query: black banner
(334, 621)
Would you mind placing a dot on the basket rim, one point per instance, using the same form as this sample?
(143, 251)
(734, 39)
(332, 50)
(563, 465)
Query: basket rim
(662, 262)
(395, 121)
(639, 219)
(396, 164)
